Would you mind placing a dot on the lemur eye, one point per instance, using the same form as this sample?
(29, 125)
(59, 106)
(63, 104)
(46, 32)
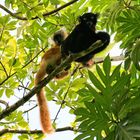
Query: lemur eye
(85, 18)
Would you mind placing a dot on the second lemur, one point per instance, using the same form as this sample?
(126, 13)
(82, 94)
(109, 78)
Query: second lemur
(49, 62)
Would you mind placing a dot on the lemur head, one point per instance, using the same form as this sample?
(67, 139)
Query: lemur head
(89, 19)
(60, 36)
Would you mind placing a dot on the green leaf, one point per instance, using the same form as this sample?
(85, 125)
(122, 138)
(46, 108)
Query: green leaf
(81, 111)
(83, 92)
(23, 137)
(95, 81)
(11, 25)
(101, 74)
(90, 107)
(135, 56)
(115, 73)
(7, 3)
(77, 5)
(9, 92)
(91, 89)
(103, 99)
(127, 63)
(107, 65)
(4, 20)
(84, 125)
(85, 136)
(1, 92)
(46, 2)
(23, 124)
(120, 84)
(49, 94)
(54, 2)
(78, 83)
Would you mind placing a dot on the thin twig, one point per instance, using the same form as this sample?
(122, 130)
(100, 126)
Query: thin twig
(24, 87)
(30, 109)
(4, 68)
(63, 101)
(44, 15)
(75, 69)
(2, 33)
(60, 8)
(3, 123)
(3, 102)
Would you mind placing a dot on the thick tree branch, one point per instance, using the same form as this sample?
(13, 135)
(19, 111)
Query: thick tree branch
(44, 15)
(4, 131)
(115, 58)
(46, 80)
(101, 60)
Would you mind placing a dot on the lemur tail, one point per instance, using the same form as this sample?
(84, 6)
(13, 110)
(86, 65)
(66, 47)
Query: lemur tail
(42, 102)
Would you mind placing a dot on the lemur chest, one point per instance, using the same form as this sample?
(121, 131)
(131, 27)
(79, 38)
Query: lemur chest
(52, 58)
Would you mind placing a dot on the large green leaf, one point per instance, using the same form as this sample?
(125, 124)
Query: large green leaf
(95, 81)
(135, 54)
(107, 65)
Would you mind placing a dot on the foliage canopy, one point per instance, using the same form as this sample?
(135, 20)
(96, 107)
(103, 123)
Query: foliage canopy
(104, 99)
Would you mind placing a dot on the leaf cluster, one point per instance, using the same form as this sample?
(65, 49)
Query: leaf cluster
(114, 109)
(122, 20)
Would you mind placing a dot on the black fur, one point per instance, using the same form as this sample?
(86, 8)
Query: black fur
(58, 37)
(83, 36)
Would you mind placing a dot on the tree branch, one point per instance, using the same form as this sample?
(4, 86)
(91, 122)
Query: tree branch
(4, 69)
(60, 8)
(22, 67)
(44, 15)
(114, 58)
(30, 109)
(66, 93)
(4, 131)
(3, 102)
(46, 80)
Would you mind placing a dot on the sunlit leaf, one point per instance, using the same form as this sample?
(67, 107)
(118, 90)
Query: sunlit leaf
(107, 65)
(135, 55)
(95, 81)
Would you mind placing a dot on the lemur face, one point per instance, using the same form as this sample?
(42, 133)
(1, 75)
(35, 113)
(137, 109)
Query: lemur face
(89, 19)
